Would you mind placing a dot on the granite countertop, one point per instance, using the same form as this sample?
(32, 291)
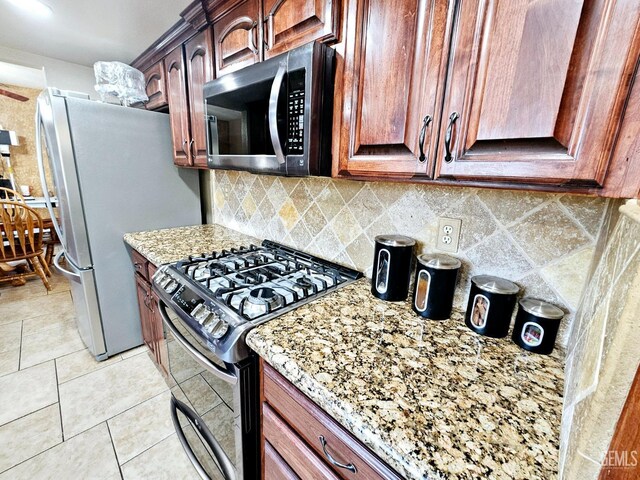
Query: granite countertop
(431, 398)
(173, 244)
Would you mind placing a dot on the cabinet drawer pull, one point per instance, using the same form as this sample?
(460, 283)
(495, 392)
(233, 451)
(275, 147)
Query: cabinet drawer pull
(137, 266)
(184, 150)
(191, 144)
(423, 131)
(447, 139)
(351, 467)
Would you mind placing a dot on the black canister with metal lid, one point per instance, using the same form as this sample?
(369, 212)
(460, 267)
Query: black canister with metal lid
(490, 306)
(537, 325)
(435, 284)
(392, 267)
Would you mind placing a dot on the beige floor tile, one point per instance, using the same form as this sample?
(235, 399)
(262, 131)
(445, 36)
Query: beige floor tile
(80, 363)
(47, 321)
(13, 311)
(10, 334)
(89, 455)
(30, 435)
(164, 461)
(50, 343)
(141, 427)
(9, 361)
(135, 351)
(26, 391)
(100, 395)
(200, 394)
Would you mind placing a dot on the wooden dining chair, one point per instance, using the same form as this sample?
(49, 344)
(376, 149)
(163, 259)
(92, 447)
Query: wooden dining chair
(21, 229)
(9, 195)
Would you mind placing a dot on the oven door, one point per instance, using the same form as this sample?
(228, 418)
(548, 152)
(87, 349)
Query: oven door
(205, 405)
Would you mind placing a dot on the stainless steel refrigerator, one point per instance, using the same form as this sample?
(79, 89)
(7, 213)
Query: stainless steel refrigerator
(112, 170)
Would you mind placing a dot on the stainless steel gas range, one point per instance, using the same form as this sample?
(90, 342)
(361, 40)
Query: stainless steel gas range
(209, 302)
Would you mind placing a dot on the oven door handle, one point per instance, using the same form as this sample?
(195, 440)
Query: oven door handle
(273, 113)
(221, 458)
(199, 357)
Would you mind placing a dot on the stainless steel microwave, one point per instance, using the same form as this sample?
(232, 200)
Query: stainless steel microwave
(274, 116)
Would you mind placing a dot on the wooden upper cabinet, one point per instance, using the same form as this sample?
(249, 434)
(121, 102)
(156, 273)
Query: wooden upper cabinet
(392, 86)
(535, 90)
(291, 23)
(178, 106)
(199, 57)
(236, 36)
(155, 86)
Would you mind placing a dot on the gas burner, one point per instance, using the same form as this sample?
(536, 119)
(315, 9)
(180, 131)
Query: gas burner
(261, 300)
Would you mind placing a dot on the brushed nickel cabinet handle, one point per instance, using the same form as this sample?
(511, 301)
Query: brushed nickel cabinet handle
(191, 144)
(349, 466)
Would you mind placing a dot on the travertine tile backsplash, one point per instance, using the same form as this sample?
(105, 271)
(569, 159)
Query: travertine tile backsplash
(544, 242)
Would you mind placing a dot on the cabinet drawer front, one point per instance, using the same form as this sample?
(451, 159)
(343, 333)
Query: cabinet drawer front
(275, 468)
(292, 448)
(140, 264)
(311, 422)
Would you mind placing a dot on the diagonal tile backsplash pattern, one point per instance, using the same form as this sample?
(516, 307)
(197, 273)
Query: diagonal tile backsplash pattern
(544, 242)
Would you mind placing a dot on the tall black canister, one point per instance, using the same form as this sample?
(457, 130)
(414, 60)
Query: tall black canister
(490, 306)
(435, 284)
(392, 267)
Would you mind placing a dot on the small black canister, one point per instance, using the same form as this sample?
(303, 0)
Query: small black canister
(392, 267)
(435, 284)
(537, 325)
(490, 306)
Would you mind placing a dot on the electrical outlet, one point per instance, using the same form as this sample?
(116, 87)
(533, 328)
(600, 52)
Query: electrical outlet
(448, 234)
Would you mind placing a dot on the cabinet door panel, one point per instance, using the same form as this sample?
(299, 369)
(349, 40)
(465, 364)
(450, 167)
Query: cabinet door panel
(393, 72)
(539, 88)
(142, 292)
(199, 57)
(291, 23)
(236, 37)
(178, 106)
(155, 86)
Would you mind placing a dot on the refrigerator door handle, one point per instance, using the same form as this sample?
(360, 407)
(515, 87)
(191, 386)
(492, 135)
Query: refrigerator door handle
(43, 177)
(61, 269)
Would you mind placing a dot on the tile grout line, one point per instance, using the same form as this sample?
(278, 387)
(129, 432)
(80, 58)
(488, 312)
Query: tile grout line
(113, 447)
(20, 347)
(55, 367)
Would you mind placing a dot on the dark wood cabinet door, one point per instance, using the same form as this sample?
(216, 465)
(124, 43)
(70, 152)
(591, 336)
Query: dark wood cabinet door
(535, 90)
(142, 292)
(178, 106)
(291, 23)
(199, 56)
(236, 36)
(392, 87)
(160, 351)
(155, 86)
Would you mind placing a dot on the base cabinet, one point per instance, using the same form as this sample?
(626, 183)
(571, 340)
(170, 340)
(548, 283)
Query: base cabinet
(150, 319)
(300, 440)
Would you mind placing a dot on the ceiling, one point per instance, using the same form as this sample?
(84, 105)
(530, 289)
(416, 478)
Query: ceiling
(85, 31)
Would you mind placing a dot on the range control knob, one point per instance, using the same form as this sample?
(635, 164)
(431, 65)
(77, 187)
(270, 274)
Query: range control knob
(218, 327)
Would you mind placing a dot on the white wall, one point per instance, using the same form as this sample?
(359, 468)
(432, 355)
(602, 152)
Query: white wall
(58, 73)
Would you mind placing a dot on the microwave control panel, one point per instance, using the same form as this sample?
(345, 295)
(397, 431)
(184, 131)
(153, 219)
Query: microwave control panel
(295, 113)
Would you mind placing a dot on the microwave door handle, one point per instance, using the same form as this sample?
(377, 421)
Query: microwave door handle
(273, 114)
(212, 135)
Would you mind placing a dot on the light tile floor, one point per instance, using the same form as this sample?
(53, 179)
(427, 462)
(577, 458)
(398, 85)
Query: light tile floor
(65, 416)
